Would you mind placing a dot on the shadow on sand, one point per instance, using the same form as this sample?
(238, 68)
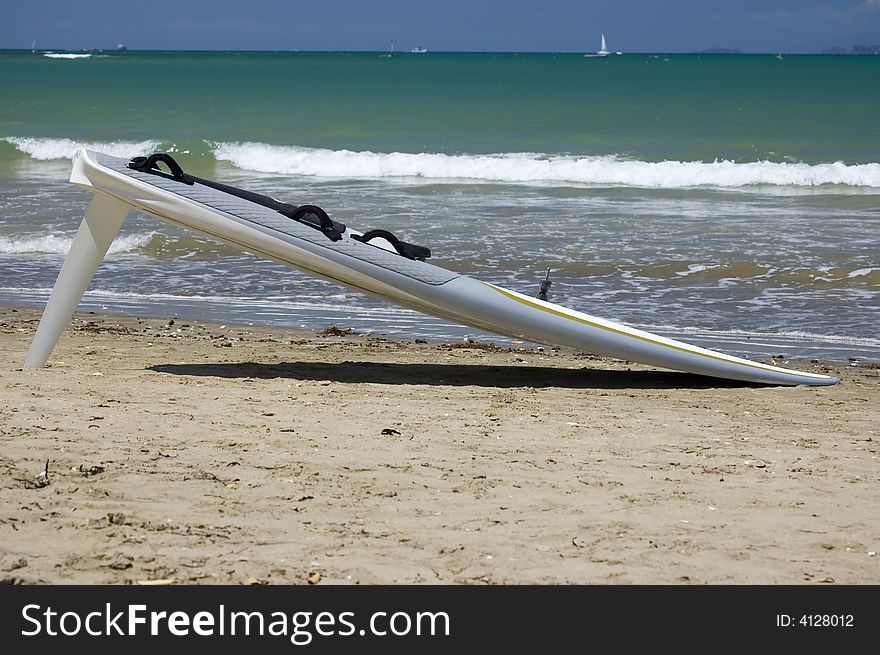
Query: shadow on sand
(455, 374)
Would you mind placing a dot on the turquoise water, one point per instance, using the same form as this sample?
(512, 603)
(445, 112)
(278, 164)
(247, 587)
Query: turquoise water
(734, 199)
(687, 107)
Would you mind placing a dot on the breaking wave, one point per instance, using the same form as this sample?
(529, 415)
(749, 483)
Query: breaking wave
(60, 245)
(519, 168)
(46, 149)
(541, 168)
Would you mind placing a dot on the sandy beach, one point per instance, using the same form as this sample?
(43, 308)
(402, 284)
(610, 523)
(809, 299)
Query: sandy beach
(197, 453)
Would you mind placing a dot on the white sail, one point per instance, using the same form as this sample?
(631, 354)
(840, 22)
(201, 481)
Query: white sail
(602, 52)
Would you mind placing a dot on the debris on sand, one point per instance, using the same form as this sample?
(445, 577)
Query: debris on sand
(39, 481)
(336, 331)
(89, 471)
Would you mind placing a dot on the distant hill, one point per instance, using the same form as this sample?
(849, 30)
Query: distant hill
(855, 50)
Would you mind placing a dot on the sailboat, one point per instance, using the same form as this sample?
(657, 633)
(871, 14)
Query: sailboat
(603, 51)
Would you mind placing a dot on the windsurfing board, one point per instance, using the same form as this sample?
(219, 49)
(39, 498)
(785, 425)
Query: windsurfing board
(373, 268)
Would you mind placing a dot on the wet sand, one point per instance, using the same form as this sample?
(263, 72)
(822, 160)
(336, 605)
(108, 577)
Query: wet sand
(199, 453)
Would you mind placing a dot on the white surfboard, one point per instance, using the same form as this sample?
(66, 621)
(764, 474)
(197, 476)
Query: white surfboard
(373, 268)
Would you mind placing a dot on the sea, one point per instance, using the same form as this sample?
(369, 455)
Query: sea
(732, 201)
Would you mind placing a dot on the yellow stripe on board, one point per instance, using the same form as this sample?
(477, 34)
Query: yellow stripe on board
(719, 357)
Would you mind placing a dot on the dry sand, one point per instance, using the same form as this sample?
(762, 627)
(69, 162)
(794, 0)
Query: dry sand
(197, 453)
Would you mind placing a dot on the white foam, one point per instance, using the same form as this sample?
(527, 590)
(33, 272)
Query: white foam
(697, 268)
(60, 55)
(244, 302)
(48, 148)
(862, 271)
(60, 245)
(792, 335)
(538, 168)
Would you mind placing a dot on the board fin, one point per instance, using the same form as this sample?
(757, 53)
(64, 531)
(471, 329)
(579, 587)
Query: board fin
(99, 227)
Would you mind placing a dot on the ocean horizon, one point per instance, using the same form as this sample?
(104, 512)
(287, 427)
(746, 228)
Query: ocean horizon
(122, 50)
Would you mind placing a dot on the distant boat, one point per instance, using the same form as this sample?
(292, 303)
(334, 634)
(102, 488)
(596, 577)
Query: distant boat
(391, 52)
(66, 55)
(603, 51)
(419, 51)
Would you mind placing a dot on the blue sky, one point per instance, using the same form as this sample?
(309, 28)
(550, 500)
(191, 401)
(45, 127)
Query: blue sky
(493, 25)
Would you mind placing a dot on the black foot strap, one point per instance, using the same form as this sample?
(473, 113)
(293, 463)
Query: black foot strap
(310, 215)
(316, 217)
(151, 164)
(408, 250)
